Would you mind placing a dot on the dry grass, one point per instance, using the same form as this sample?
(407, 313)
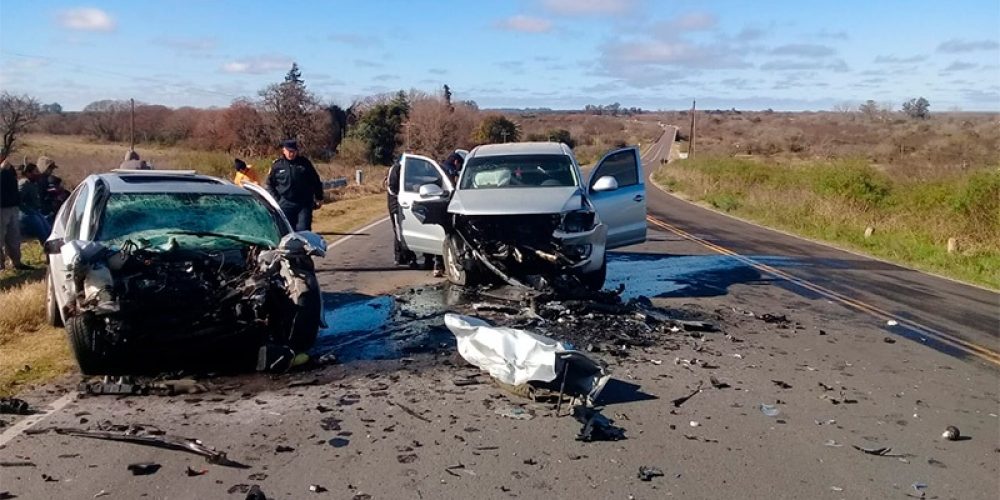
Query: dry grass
(835, 201)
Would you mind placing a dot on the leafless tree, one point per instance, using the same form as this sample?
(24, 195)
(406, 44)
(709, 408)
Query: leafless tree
(108, 119)
(17, 112)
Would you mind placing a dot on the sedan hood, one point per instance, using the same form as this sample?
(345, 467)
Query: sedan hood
(537, 200)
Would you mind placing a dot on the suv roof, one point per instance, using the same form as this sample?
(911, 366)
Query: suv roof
(166, 181)
(521, 148)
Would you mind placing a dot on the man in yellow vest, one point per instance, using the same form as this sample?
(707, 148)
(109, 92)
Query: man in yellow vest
(244, 173)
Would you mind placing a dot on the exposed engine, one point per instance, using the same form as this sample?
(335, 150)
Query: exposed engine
(176, 293)
(526, 243)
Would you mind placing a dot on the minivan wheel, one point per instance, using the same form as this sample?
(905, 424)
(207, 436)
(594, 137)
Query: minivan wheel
(594, 280)
(454, 267)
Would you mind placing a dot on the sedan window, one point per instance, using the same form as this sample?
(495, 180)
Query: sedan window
(515, 171)
(156, 216)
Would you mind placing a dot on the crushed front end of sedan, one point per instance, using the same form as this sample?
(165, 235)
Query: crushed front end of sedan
(159, 270)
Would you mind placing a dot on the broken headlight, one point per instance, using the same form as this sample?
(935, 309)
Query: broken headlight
(577, 221)
(578, 252)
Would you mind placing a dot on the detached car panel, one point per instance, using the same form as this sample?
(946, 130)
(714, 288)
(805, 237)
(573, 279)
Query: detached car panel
(142, 259)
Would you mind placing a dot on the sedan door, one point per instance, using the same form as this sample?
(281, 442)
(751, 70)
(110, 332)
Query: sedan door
(622, 209)
(417, 171)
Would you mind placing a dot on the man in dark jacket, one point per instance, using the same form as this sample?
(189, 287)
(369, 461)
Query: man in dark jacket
(10, 231)
(293, 181)
(403, 255)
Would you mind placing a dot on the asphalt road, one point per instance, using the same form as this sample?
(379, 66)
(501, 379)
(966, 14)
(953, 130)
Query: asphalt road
(960, 319)
(835, 372)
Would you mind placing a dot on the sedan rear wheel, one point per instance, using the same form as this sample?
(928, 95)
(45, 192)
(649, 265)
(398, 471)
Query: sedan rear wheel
(51, 305)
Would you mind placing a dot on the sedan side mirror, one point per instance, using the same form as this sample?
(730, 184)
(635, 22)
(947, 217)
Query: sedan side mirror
(53, 246)
(430, 191)
(605, 183)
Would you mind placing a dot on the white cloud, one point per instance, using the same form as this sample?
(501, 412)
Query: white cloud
(892, 59)
(961, 66)
(86, 19)
(525, 24)
(589, 7)
(837, 65)
(958, 46)
(804, 50)
(693, 21)
(206, 44)
(257, 65)
(355, 40)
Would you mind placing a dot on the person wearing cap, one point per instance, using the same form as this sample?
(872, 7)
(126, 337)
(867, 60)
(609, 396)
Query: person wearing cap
(453, 166)
(132, 161)
(10, 231)
(244, 173)
(32, 221)
(294, 182)
(57, 195)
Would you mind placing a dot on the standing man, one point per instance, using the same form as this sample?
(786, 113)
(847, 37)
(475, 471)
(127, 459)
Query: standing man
(47, 167)
(10, 231)
(403, 255)
(293, 181)
(453, 167)
(244, 173)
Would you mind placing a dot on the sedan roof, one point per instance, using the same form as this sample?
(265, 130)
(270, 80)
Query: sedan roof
(162, 181)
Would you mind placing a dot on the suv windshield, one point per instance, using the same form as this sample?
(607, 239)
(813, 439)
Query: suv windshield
(157, 216)
(515, 171)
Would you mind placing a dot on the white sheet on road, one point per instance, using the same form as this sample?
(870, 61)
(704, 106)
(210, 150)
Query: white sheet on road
(509, 355)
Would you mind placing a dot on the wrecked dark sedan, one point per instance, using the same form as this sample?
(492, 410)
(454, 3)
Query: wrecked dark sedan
(142, 260)
(523, 213)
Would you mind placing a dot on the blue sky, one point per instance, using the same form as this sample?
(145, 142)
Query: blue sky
(786, 55)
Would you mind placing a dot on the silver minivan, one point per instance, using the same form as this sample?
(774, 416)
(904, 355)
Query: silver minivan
(523, 212)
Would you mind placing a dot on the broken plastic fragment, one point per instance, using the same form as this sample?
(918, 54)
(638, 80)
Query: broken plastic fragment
(647, 473)
(951, 433)
(144, 469)
(515, 412)
(769, 410)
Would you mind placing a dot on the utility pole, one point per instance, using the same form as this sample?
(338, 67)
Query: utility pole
(691, 138)
(131, 125)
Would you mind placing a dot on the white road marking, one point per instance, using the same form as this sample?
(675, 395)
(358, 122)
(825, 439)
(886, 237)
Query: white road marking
(32, 420)
(354, 233)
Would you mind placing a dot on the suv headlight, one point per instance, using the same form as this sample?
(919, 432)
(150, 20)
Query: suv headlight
(577, 221)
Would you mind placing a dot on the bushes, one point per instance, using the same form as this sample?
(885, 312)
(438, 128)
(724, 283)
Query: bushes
(853, 181)
(353, 151)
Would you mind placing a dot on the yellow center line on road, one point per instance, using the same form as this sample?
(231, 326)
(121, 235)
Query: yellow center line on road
(983, 353)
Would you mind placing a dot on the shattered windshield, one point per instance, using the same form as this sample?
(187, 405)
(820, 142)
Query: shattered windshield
(156, 216)
(513, 171)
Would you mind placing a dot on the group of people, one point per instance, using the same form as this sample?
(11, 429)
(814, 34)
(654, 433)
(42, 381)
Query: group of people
(403, 256)
(30, 197)
(293, 181)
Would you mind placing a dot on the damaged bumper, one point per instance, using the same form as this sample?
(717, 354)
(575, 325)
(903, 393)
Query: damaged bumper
(134, 295)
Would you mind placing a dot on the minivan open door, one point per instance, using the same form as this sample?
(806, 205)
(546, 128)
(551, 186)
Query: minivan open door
(618, 192)
(417, 171)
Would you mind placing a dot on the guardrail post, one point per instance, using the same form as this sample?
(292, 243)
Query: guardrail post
(359, 176)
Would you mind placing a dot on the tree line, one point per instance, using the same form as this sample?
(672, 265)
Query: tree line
(371, 130)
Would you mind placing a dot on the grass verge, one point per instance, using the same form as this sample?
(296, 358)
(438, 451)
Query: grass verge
(835, 201)
(32, 352)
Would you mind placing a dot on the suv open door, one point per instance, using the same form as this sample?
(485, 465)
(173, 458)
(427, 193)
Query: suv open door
(417, 171)
(618, 192)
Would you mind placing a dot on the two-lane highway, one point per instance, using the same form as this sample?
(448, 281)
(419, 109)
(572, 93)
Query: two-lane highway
(954, 317)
